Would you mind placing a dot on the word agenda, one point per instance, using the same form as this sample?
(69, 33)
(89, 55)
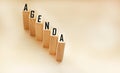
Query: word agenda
(41, 31)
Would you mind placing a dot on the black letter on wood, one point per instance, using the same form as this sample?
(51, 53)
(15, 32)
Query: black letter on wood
(39, 18)
(46, 25)
(32, 14)
(61, 37)
(54, 31)
(25, 7)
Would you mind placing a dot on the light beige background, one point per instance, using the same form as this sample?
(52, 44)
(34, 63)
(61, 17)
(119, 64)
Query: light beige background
(91, 29)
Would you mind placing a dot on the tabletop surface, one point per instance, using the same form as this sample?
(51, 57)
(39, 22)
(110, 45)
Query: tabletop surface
(92, 37)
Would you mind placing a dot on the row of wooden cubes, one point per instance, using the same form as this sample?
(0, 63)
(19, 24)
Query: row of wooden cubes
(40, 29)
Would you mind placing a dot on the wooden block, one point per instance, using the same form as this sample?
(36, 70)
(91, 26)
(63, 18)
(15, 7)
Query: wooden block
(60, 51)
(53, 44)
(26, 19)
(46, 38)
(32, 22)
(39, 31)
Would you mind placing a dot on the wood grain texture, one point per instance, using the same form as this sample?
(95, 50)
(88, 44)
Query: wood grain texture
(53, 44)
(60, 51)
(26, 19)
(46, 38)
(32, 26)
(39, 31)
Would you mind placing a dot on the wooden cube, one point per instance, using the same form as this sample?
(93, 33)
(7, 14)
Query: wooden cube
(46, 38)
(32, 22)
(39, 31)
(26, 19)
(60, 51)
(53, 44)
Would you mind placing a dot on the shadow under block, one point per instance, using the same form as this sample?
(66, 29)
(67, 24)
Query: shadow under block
(26, 19)
(53, 44)
(39, 31)
(46, 38)
(60, 51)
(32, 22)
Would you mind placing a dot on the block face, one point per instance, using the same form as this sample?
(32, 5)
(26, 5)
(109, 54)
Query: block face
(32, 26)
(26, 19)
(60, 51)
(53, 44)
(46, 38)
(39, 31)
